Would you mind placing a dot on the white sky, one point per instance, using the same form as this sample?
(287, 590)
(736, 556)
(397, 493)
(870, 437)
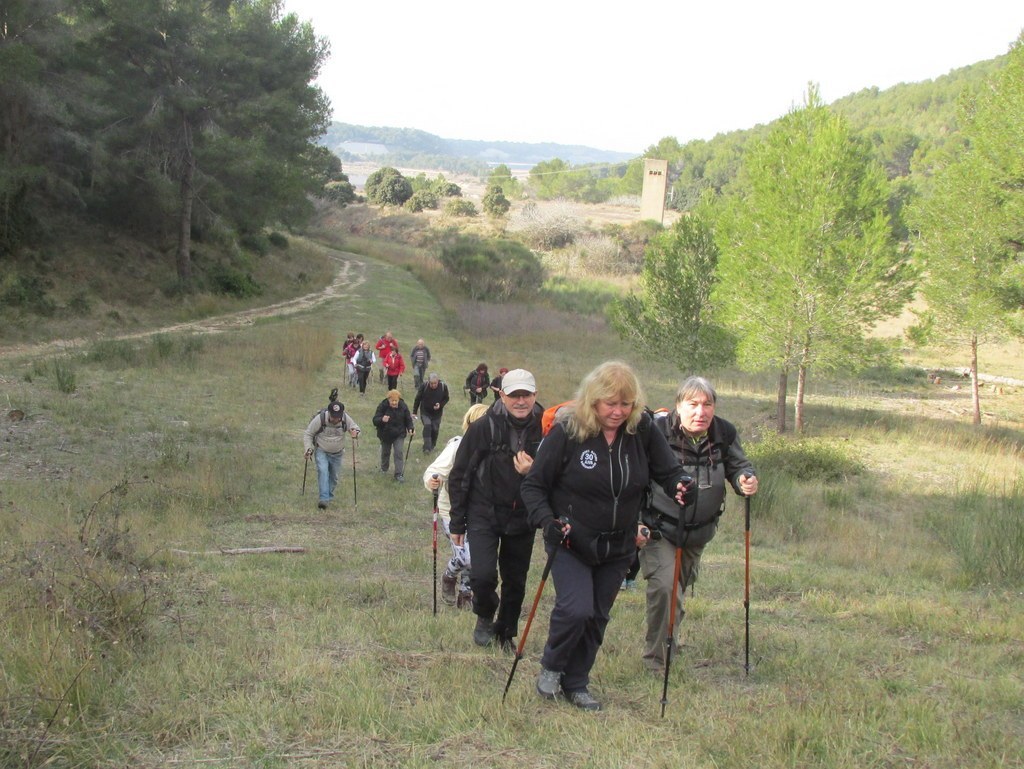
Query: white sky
(622, 75)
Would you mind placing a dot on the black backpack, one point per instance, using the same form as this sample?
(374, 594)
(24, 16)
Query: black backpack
(323, 412)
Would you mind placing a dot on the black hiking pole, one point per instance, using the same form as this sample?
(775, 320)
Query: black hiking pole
(746, 588)
(436, 492)
(533, 610)
(305, 469)
(355, 495)
(408, 447)
(676, 590)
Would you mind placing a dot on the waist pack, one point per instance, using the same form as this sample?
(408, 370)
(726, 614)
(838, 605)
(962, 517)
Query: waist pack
(594, 547)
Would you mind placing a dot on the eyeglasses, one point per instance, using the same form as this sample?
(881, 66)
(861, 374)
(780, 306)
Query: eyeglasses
(520, 395)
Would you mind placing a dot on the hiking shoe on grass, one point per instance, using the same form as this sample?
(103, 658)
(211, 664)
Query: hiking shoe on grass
(465, 599)
(583, 700)
(549, 683)
(483, 633)
(321, 505)
(448, 594)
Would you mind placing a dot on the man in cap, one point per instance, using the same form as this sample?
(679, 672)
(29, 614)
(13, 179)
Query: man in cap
(324, 439)
(431, 398)
(493, 458)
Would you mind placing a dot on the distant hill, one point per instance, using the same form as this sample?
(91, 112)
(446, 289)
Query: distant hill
(410, 146)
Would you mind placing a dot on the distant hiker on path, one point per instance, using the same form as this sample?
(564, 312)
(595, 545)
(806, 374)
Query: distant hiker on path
(429, 405)
(477, 383)
(394, 365)
(364, 361)
(393, 421)
(496, 383)
(709, 449)
(324, 440)
(384, 345)
(419, 359)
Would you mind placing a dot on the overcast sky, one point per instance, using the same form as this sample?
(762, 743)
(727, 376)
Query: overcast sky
(622, 75)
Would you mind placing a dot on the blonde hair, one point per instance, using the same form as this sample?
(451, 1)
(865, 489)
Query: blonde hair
(611, 380)
(394, 394)
(472, 414)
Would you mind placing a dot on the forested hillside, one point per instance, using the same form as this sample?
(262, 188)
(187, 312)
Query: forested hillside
(174, 124)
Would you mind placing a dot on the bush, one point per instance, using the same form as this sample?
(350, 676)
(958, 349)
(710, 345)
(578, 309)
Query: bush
(803, 459)
(493, 270)
(495, 203)
(460, 207)
(339, 192)
(421, 200)
(554, 226)
(256, 242)
(225, 279)
(28, 292)
(387, 187)
(278, 240)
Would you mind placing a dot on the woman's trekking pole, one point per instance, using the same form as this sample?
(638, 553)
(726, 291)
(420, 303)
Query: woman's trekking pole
(305, 469)
(533, 610)
(407, 448)
(355, 495)
(746, 588)
(436, 492)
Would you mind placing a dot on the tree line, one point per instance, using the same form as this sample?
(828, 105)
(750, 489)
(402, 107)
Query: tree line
(170, 119)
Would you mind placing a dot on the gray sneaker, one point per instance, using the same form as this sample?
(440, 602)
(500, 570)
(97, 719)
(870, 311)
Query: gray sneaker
(582, 700)
(549, 683)
(483, 634)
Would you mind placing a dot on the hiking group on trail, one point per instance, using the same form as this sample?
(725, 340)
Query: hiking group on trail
(612, 486)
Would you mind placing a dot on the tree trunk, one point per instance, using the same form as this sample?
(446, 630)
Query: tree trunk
(780, 411)
(801, 386)
(975, 395)
(183, 257)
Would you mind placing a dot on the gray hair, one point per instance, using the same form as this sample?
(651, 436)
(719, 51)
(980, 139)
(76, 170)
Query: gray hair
(695, 384)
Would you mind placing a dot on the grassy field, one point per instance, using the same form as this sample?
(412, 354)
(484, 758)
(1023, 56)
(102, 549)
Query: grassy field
(886, 619)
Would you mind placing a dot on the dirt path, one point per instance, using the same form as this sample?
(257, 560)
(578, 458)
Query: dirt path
(351, 274)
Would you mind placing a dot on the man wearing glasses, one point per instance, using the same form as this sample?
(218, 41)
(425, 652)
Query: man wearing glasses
(709, 449)
(493, 458)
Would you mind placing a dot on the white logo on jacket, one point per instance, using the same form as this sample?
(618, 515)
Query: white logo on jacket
(588, 459)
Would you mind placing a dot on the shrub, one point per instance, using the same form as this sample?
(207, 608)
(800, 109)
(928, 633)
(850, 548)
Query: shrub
(444, 188)
(554, 226)
(460, 207)
(421, 199)
(225, 279)
(495, 203)
(278, 240)
(494, 270)
(803, 459)
(256, 242)
(27, 292)
(387, 187)
(64, 376)
(340, 192)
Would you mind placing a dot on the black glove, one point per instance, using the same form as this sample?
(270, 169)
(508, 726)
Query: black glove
(689, 484)
(553, 532)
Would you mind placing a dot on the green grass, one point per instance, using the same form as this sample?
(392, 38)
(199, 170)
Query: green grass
(882, 633)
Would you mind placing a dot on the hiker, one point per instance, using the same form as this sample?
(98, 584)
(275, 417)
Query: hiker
(709, 449)
(592, 472)
(349, 351)
(385, 344)
(429, 404)
(324, 440)
(394, 365)
(477, 382)
(496, 383)
(393, 422)
(455, 587)
(492, 459)
(419, 358)
(364, 361)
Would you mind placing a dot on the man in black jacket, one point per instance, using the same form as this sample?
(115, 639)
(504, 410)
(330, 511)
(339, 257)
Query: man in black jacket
(493, 458)
(431, 398)
(709, 449)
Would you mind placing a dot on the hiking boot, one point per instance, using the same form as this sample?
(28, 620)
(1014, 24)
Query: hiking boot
(448, 588)
(582, 700)
(321, 505)
(400, 478)
(483, 633)
(506, 644)
(549, 683)
(465, 599)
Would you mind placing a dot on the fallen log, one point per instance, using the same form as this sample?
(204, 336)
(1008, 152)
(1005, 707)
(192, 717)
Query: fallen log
(242, 550)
